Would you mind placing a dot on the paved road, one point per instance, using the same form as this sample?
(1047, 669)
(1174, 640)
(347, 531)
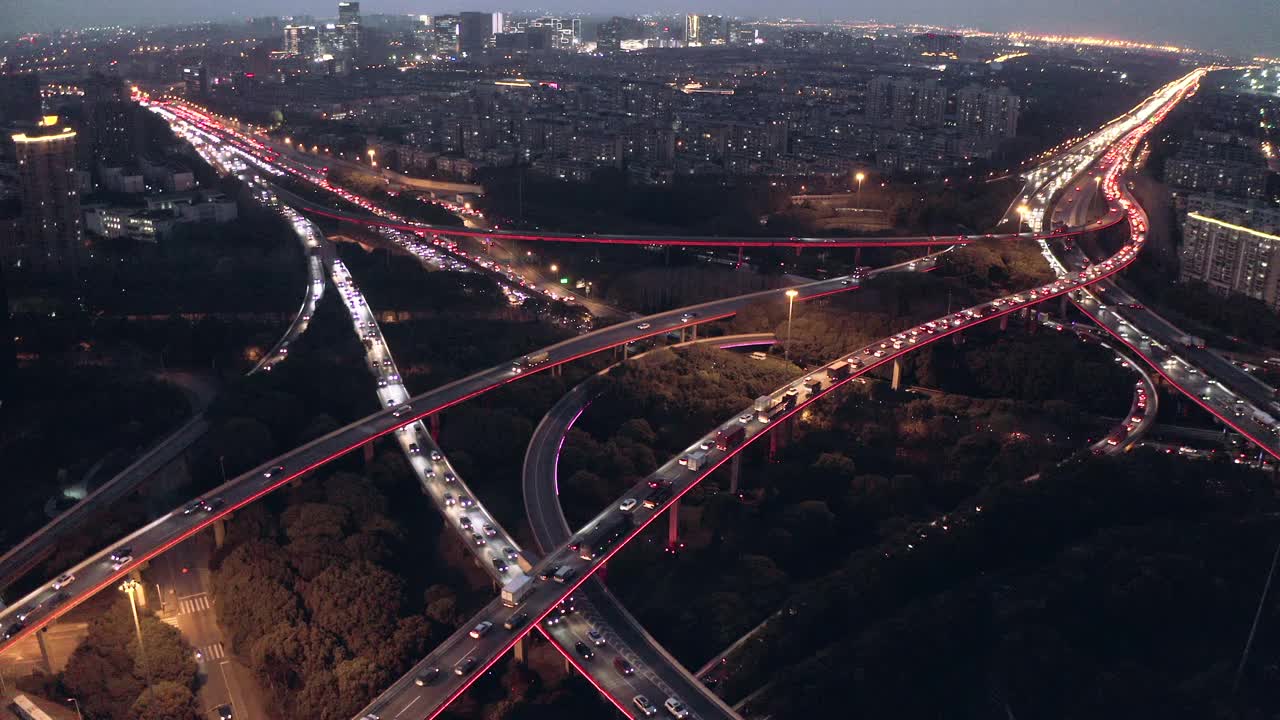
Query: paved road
(470, 653)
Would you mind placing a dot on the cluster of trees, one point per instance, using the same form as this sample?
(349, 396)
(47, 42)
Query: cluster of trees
(1108, 587)
(318, 598)
(251, 264)
(113, 679)
(61, 425)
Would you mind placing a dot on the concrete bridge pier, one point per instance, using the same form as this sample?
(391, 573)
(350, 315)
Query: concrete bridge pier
(367, 449)
(433, 426)
(1004, 322)
(220, 532)
(735, 473)
(896, 383)
(673, 525)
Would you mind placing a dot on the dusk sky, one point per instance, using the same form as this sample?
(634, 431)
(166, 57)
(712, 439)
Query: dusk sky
(1239, 25)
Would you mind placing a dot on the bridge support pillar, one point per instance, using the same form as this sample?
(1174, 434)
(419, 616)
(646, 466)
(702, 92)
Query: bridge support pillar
(857, 255)
(520, 650)
(739, 265)
(695, 332)
(433, 425)
(1004, 322)
(957, 339)
(735, 473)
(896, 384)
(367, 449)
(673, 525)
(1062, 307)
(139, 597)
(219, 533)
(44, 649)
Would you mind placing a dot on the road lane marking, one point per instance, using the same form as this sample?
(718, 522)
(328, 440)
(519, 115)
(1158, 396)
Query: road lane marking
(406, 707)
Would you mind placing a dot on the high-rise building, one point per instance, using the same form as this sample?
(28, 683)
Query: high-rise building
(300, 40)
(984, 112)
(703, 30)
(739, 33)
(609, 36)
(446, 35)
(495, 23)
(349, 27)
(474, 31)
(905, 101)
(49, 189)
(196, 80)
(112, 122)
(1233, 247)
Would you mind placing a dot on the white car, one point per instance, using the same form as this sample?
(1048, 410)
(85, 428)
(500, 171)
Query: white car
(63, 580)
(676, 708)
(628, 505)
(643, 326)
(646, 707)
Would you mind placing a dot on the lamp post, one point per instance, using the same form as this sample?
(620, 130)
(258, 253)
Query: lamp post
(791, 301)
(129, 587)
(859, 177)
(75, 702)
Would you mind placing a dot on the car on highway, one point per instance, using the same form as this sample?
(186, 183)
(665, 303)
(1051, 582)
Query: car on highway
(436, 456)
(211, 505)
(549, 572)
(647, 708)
(499, 564)
(121, 552)
(414, 449)
(465, 501)
(426, 677)
(552, 620)
(596, 637)
(481, 629)
(516, 621)
(450, 500)
(627, 505)
(643, 326)
(224, 712)
(192, 506)
(272, 471)
(478, 539)
(490, 530)
(511, 554)
(119, 562)
(466, 666)
(584, 651)
(623, 667)
(676, 708)
(745, 418)
(63, 580)
(464, 522)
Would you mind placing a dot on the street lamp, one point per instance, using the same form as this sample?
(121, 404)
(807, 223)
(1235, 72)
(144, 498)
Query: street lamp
(555, 268)
(860, 177)
(791, 301)
(129, 587)
(73, 701)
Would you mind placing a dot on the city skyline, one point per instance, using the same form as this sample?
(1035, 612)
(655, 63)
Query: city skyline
(1239, 26)
(668, 365)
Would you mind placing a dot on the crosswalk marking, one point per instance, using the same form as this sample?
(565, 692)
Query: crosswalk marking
(171, 620)
(194, 604)
(212, 652)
